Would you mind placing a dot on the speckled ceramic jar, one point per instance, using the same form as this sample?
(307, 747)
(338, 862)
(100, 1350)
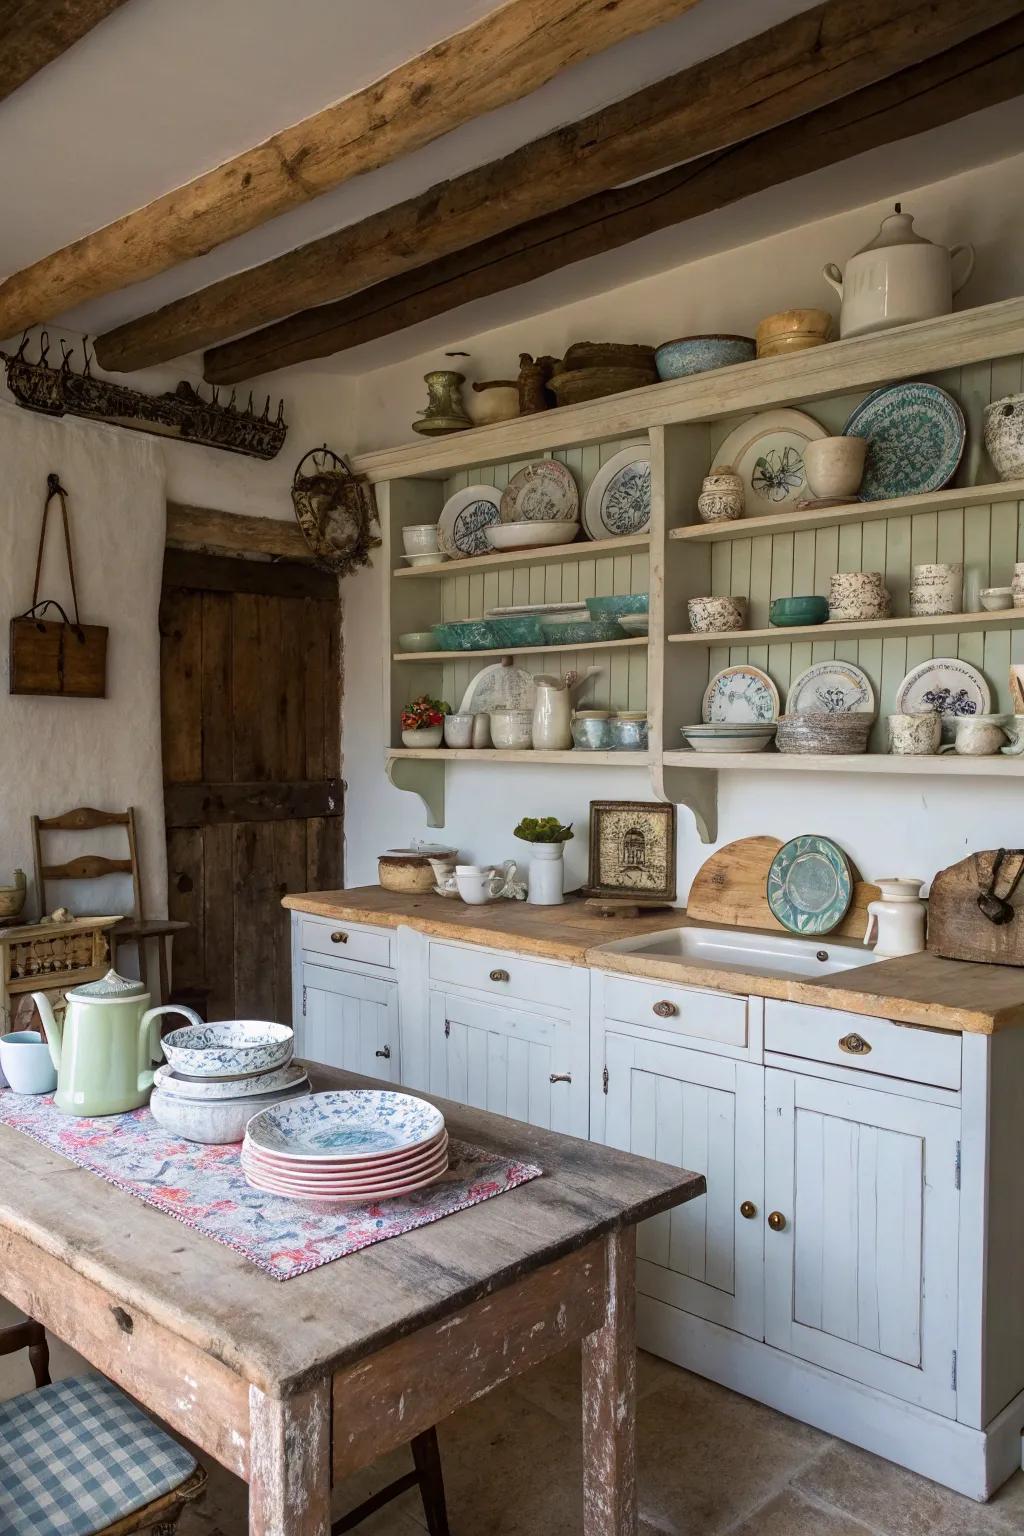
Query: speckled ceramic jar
(857, 595)
(458, 731)
(914, 735)
(721, 499)
(1004, 436)
(716, 615)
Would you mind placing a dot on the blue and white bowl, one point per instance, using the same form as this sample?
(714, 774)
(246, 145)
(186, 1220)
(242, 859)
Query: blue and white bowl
(236, 1049)
(356, 1123)
(698, 354)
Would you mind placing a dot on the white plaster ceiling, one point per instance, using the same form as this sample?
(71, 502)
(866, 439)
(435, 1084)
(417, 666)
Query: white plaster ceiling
(160, 92)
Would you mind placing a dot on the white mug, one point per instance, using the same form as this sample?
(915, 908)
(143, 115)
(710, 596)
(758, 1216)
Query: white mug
(478, 884)
(985, 735)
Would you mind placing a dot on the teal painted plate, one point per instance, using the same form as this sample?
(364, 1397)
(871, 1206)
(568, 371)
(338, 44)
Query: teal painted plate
(915, 436)
(810, 885)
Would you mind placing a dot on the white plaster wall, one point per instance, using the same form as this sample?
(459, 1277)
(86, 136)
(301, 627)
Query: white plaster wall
(887, 826)
(59, 753)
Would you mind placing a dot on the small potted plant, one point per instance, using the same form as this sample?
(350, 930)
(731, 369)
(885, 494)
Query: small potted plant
(423, 722)
(547, 838)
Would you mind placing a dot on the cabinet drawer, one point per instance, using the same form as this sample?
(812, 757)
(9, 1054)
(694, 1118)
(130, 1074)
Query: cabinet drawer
(865, 1044)
(345, 941)
(508, 975)
(683, 1010)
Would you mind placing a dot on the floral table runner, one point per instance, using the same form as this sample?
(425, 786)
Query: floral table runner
(205, 1188)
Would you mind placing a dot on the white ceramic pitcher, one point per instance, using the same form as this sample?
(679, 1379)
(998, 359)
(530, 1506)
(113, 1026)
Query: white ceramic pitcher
(552, 709)
(896, 919)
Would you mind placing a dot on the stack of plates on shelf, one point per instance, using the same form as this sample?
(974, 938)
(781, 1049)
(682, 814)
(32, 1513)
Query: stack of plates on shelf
(219, 1075)
(728, 738)
(539, 507)
(816, 731)
(346, 1148)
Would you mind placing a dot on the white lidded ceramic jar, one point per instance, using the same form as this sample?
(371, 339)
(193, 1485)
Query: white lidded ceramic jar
(896, 278)
(545, 885)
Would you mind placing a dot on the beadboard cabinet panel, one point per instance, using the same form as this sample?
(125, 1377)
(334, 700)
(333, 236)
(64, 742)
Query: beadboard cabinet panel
(349, 1020)
(861, 1278)
(700, 1112)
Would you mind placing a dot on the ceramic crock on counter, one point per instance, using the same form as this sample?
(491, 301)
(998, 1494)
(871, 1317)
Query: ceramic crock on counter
(899, 276)
(107, 1047)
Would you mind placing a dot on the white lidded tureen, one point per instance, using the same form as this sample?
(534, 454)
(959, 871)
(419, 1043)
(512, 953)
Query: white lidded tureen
(899, 276)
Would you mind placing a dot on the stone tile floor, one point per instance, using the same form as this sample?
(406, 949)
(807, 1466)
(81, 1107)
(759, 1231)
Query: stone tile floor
(711, 1464)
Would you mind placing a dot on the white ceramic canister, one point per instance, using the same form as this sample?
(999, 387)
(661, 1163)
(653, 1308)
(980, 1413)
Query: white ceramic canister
(896, 921)
(545, 875)
(834, 466)
(914, 735)
(458, 730)
(896, 278)
(512, 729)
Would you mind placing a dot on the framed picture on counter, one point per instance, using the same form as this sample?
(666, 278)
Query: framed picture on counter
(632, 850)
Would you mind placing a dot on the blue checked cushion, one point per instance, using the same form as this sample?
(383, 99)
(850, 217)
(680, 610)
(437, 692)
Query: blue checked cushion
(78, 1455)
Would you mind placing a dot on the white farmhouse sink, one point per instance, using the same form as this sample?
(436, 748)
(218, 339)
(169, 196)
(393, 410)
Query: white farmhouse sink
(762, 954)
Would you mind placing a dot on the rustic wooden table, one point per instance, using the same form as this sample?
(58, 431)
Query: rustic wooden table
(294, 1384)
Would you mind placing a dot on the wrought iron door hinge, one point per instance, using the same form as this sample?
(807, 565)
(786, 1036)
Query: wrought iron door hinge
(604, 1080)
(952, 1374)
(304, 1002)
(447, 1028)
(956, 1167)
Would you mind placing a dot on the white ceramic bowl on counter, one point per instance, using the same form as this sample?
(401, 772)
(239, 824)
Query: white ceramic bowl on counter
(216, 1122)
(240, 1048)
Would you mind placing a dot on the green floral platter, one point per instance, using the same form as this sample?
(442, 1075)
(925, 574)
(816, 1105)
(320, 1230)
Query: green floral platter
(810, 885)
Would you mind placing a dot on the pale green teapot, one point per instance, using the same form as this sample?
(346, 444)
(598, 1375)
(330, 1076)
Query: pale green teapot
(107, 1047)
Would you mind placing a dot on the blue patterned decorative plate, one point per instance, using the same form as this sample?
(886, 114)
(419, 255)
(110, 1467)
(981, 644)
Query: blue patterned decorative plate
(915, 436)
(464, 517)
(741, 695)
(810, 885)
(356, 1123)
(619, 499)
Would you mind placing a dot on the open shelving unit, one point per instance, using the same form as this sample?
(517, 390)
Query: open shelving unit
(975, 354)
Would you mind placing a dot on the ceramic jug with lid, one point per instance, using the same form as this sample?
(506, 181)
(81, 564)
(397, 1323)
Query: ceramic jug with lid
(899, 276)
(107, 1047)
(896, 919)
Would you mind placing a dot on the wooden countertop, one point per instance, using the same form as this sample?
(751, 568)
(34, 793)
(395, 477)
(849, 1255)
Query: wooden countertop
(915, 989)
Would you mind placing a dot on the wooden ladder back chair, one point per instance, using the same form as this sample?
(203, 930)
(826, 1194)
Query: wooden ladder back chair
(79, 1452)
(134, 929)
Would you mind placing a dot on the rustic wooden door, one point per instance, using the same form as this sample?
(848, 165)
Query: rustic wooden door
(250, 693)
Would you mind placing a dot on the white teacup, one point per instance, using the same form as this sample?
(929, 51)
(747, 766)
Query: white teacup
(477, 884)
(985, 735)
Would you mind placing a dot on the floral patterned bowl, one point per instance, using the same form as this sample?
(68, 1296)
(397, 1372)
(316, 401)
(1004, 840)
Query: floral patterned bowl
(237, 1049)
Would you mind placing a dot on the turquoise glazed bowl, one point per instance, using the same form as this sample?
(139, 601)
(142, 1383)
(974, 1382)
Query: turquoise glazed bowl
(467, 635)
(786, 611)
(525, 630)
(615, 607)
(698, 354)
(583, 633)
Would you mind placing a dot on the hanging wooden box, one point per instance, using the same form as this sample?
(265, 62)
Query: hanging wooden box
(64, 659)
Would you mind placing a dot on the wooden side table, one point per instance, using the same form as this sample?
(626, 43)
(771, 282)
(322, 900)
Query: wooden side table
(50, 957)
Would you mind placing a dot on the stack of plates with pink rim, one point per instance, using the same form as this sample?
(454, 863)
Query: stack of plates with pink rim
(350, 1147)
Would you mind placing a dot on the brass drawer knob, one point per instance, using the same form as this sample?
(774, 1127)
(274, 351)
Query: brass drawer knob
(777, 1221)
(854, 1045)
(560, 1077)
(665, 1009)
(500, 976)
(748, 1209)
(338, 937)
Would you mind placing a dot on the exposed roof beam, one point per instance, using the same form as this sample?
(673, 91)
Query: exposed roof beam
(502, 57)
(35, 32)
(795, 67)
(985, 70)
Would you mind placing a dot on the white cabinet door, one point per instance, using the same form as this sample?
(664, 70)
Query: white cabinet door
(528, 1065)
(348, 1020)
(704, 1113)
(862, 1277)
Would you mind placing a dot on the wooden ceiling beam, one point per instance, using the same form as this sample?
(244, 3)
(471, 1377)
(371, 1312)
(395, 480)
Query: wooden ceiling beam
(795, 67)
(985, 70)
(35, 32)
(502, 57)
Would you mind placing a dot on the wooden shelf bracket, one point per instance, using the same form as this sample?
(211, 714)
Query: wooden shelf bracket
(425, 779)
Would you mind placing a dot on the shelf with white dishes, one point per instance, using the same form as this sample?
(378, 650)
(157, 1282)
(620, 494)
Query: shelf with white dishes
(578, 757)
(521, 650)
(801, 519)
(857, 629)
(975, 354)
(579, 549)
(949, 765)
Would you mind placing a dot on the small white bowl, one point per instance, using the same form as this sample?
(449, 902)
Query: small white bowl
(235, 1049)
(535, 535)
(420, 539)
(427, 559)
(994, 599)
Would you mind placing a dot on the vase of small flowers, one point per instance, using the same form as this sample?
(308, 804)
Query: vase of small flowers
(423, 722)
(547, 838)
